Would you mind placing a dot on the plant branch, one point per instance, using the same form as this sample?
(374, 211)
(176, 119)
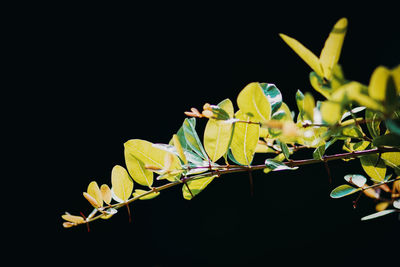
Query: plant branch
(225, 169)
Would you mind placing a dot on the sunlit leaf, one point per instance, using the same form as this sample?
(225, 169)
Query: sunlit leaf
(137, 170)
(319, 85)
(122, 184)
(254, 103)
(106, 193)
(139, 192)
(196, 186)
(330, 54)
(217, 134)
(309, 57)
(300, 104)
(94, 190)
(309, 105)
(390, 139)
(396, 77)
(392, 159)
(374, 168)
(377, 214)
(152, 155)
(331, 112)
(378, 83)
(382, 206)
(343, 190)
(276, 165)
(192, 139)
(356, 179)
(179, 149)
(244, 140)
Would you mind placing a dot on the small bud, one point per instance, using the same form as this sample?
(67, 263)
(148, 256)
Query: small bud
(91, 200)
(196, 112)
(207, 106)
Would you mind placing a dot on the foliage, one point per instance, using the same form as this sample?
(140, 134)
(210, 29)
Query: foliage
(364, 117)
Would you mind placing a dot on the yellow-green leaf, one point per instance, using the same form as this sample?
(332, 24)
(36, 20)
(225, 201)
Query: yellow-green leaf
(333, 46)
(106, 193)
(139, 192)
(331, 112)
(309, 105)
(396, 78)
(378, 83)
(217, 134)
(374, 168)
(343, 190)
(149, 154)
(94, 190)
(122, 184)
(196, 186)
(179, 149)
(309, 57)
(245, 139)
(254, 103)
(137, 170)
(392, 159)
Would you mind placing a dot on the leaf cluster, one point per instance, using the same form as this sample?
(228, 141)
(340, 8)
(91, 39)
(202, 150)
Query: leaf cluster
(365, 118)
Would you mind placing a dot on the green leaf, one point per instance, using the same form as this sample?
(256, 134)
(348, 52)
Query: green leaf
(276, 165)
(377, 214)
(374, 168)
(284, 148)
(122, 184)
(192, 139)
(217, 135)
(139, 192)
(390, 139)
(254, 103)
(244, 140)
(319, 152)
(393, 126)
(300, 104)
(343, 190)
(373, 122)
(151, 154)
(319, 85)
(196, 186)
(137, 170)
(273, 94)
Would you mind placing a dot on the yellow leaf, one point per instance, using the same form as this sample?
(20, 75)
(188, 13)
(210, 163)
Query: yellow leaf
(91, 200)
(106, 193)
(396, 78)
(122, 184)
(73, 218)
(309, 105)
(330, 54)
(245, 139)
(331, 112)
(382, 206)
(309, 57)
(94, 190)
(196, 186)
(374, 168)
(254, 103)
(152, 155)
(392, 159)
(137, 170)
(139, 192)
(378, 83)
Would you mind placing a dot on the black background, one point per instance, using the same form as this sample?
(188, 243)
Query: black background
(106, 75)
